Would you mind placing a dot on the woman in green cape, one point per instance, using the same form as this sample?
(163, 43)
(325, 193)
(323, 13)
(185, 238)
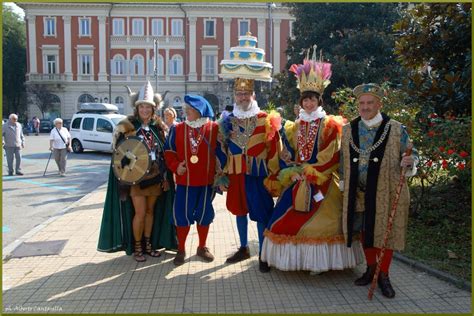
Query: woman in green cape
(137, 218)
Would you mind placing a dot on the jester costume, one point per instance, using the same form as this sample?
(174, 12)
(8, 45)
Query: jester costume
(251, 142)
(194, 144)
(305, 231)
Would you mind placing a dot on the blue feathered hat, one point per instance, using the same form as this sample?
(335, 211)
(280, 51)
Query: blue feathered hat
(200, 104)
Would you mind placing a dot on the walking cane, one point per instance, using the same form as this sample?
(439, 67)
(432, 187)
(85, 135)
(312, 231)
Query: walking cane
(47, 163)
(389, 226)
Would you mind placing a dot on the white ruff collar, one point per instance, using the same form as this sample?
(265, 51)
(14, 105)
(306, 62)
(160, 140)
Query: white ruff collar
(316, 114)
(373, 121)
(252, 111)
(197, 123)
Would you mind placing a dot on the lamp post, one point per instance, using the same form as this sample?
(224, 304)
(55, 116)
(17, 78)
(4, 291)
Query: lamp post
(270, 6)
(155, 47)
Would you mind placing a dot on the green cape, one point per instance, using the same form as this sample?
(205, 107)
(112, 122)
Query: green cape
(116, 229)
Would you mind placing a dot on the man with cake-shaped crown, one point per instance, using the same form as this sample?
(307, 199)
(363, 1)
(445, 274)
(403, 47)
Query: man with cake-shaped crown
(305, 231)
(191, 152)
(251, 141)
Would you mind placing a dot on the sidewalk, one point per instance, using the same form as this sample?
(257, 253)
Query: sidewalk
(83, 280)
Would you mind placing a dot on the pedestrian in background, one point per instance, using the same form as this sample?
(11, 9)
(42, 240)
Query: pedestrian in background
(170, 117)
(60, 145)
(13, 142)
(36, 125)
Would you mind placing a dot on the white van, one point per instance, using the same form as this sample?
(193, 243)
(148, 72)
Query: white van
(92, 127)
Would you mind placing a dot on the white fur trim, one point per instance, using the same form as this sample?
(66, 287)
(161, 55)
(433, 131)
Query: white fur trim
(252, 111)
(377, 119)
(197, 123)
(309, 117)
(309, 257)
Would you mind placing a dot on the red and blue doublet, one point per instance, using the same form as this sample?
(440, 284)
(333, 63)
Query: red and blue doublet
(194, 192)
(251, 146)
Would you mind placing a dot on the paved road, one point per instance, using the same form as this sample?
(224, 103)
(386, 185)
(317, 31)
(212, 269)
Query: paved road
(31, 199)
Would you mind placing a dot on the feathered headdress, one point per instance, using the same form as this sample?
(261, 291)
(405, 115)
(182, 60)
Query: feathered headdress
(312, 75)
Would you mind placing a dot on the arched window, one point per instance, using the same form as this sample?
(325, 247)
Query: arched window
(119, 103)
(118, 65)
(176, 65)
(84, 98)
(137, 65)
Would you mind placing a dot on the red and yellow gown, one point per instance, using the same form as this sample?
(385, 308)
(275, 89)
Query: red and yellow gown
(305, 231)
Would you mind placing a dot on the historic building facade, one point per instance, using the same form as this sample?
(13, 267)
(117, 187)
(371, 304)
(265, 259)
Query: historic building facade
(86, 52)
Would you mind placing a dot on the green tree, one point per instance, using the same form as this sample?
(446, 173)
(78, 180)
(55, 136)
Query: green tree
(355, 37)
(40, 94)
(14, 63)
(433, 43)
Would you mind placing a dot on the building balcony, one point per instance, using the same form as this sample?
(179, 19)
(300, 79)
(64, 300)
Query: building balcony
(136, 78)
(177, 42)
(46, 78)
(208, 78)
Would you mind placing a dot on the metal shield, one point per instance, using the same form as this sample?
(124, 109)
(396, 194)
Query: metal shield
(131, 160)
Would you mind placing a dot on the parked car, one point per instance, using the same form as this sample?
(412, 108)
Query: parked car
(45, 126)
(92, 127)
(67, 124)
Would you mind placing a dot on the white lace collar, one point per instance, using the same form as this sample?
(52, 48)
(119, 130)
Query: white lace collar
(252, 111)
(373, 121)
(316, 114)
(197, 123)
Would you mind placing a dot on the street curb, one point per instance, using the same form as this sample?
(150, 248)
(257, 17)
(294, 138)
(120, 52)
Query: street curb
(7, 250)
(462, 284)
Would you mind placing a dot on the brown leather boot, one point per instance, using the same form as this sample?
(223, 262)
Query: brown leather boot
(179, 259)
(367, 277)
(241, 254)
(385, 285)
(205, 254)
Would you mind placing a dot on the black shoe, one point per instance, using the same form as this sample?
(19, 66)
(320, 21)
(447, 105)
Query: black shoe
(19, 173)
(367, 277)
(242, 254)
(385, 285)
(263, 266)
(10, 173)
(179, 259)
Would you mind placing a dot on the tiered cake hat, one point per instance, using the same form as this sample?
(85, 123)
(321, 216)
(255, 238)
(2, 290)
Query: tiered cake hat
(246, 61)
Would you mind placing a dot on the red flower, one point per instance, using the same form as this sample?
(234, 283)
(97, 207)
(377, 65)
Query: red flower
(429, 163)
(433, 115)
(463, 154)
(444, 164)
(450, 141)
(461, 166)
(441, 149)
(431, 124)
(450, 151)
(431, 133)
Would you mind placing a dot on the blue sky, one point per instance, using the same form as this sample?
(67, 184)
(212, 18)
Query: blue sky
(16, 8)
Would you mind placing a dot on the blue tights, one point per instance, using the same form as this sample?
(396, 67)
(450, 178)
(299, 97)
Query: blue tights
(242, 227)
